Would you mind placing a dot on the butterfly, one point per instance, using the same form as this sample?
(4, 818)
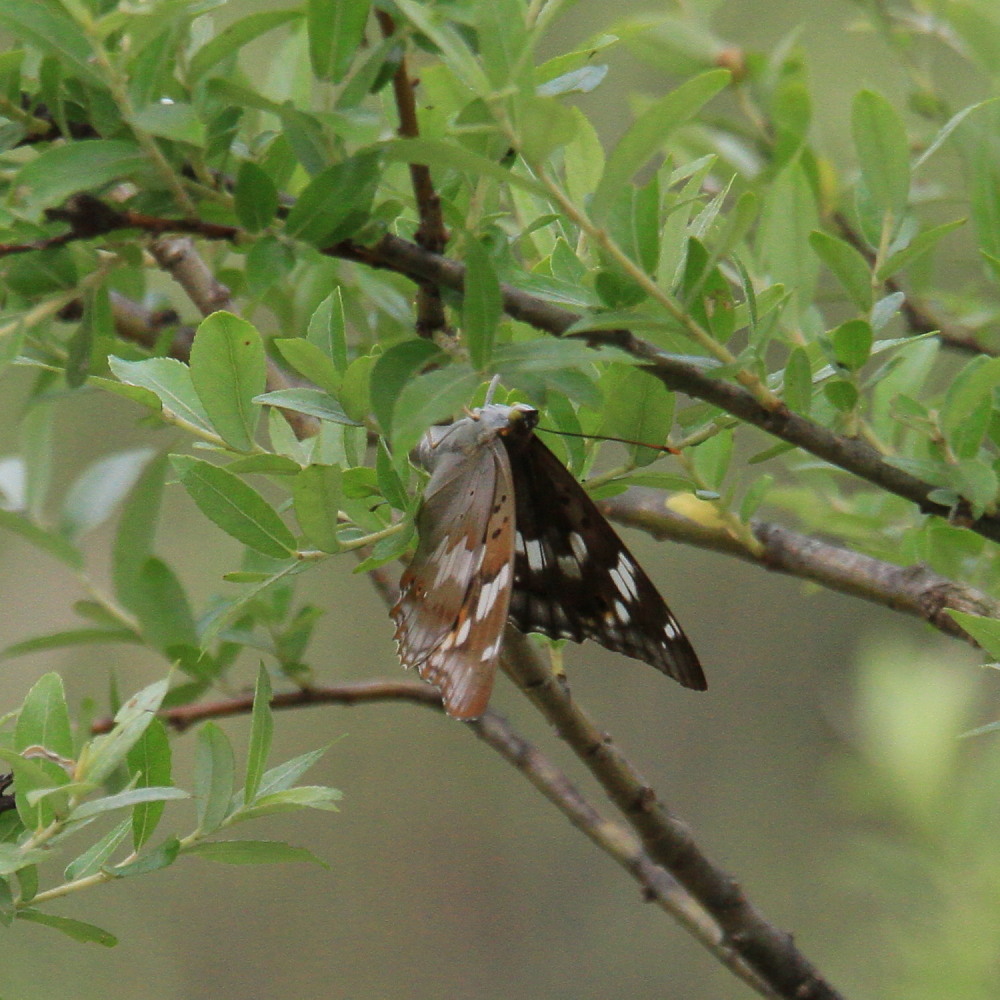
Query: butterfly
(506, 532)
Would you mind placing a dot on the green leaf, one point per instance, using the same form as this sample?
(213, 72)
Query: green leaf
(48, 26)
(336, 30)
(235, 507)
(921, 244)
(55, 545)
(283, 776)
(460, 58)
(261, 730)
(213, 777)
(852, 343)
(228, 368)
(637, 407)
(327, 330)
(392, 371)
(797, 391)
(482, 304)
(133, 542)
(447, 155)
(292, 799)
(336, 202)
(788, 217)
(253, 852)
(316, 492)
(313, 402)
(149, 762)
(176, 121)
(986, 631)
(93, 859)
(310, 361)
(843, 395)
(255, 197)
(233, 38)
(648, 133)
(66, 638)
(883, 153)
(162, 857)
(160, 604)
(44, 718)
(82, 165)
(79, 930)
(127, 799)
(104, 753)
(100, 488)
(428, 398)
(171, 382)
(848, 266)
(712, 458)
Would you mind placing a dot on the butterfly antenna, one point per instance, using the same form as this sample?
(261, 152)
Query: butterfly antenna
(607, 437)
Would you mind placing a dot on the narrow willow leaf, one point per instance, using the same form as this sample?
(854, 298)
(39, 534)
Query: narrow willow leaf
(99, 489)
(213, 777)
(149, 762)
(309, 401)
(228, 369)
(170, 381)
(848, 266)
(883, 151)
(93, 859)
(85, 163)
(316, 492)
(648, 133)
(261, 729)
(44, 718)
(482, 304)
(127, 799)
(162, 857)
(79, 930)
(253, 852)
(235, 507)
(336, 30)
(161, 605)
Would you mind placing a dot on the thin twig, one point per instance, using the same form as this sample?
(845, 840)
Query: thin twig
(913, 590)
(431, 234)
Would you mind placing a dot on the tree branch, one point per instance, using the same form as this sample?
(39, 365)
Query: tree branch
(680, 375)
(768, 950)
(613, 838)
(913, 590)
(431, 233)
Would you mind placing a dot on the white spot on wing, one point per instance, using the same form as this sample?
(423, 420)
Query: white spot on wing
(536, 559)
(463, 632)
(578, 545)
(671, 630)
(622, 612)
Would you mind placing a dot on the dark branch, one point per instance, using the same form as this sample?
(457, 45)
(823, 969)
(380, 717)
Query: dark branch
(768, 950)
(913, 590)
(850, 454)
(431, 233)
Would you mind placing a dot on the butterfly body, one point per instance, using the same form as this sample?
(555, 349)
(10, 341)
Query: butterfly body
(506, 532)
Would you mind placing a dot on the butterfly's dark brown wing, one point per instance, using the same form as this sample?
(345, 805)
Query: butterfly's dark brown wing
(575, 579)
(455, 593)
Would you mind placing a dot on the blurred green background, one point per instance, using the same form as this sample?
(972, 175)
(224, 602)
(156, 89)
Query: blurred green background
(821, 768)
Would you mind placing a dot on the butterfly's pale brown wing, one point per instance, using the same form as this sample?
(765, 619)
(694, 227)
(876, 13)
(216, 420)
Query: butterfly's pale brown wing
(574, 578)
(454, 596)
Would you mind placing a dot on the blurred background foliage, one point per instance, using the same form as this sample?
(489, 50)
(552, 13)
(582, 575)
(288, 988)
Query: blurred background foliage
(824, 768)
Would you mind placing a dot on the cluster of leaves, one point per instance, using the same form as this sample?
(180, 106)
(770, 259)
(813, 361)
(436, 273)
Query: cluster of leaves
(66, 781)
(718, 253)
